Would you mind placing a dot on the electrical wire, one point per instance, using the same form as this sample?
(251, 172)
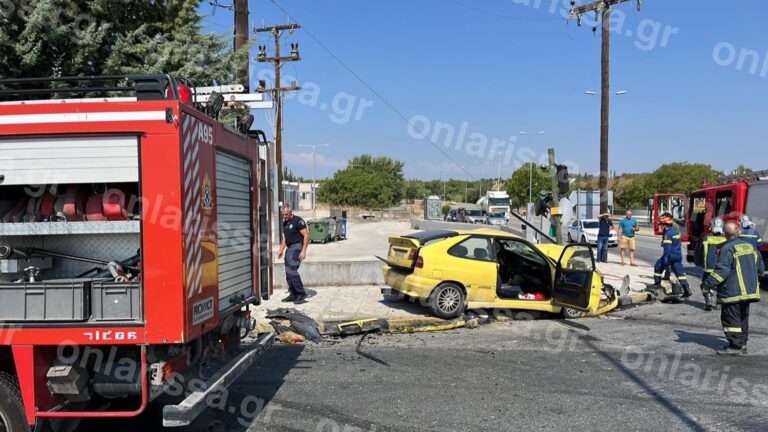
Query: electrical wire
(392, 107)
(498, 15)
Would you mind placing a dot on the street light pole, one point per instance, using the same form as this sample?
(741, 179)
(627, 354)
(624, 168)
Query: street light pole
(314, 173)
(530, 167)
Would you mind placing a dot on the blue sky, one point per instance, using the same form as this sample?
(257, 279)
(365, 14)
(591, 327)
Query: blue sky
(696, 78)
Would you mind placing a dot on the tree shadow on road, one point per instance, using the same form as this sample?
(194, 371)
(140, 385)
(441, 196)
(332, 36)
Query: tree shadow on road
(704, 339)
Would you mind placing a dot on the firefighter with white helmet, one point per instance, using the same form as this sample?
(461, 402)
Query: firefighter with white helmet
(706, 257)
(749, 233)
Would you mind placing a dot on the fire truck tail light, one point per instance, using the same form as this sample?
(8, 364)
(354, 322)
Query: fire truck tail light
(185, 93)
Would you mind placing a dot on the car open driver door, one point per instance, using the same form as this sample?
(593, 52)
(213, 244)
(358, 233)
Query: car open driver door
(574, 285)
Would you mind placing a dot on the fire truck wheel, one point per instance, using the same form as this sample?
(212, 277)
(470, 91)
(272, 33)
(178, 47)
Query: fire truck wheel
(12, 416)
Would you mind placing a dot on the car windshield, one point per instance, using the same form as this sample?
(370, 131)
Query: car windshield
(591, 224)
(496, 215)
(473, 213)
(498, 201)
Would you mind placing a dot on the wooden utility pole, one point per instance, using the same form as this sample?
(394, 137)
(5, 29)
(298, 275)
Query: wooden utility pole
(277, 91)
(241, 39)
(556, 212)
(603, 9)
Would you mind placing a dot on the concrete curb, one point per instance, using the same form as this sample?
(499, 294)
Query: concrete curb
(333, 273)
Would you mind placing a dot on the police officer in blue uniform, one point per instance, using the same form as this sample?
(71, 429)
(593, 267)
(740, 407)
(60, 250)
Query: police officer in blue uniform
(672, 257)
(736, 278)
(294, 244)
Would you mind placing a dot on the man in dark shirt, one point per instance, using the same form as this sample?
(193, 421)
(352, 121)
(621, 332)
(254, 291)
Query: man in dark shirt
(294, 244)
(603, 235)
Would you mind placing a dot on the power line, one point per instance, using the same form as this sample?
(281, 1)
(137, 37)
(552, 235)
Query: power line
(498, 15)
(376, 93)
(602, 8)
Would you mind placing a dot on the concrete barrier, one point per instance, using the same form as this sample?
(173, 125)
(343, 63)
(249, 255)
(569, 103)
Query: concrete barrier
(334, 273)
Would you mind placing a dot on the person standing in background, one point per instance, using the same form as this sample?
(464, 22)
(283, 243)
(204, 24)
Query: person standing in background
(627, 229)
(603, 234)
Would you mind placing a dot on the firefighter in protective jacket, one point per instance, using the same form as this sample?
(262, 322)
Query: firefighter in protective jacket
(706, 257)
(749, 233)
(672, 257)
(736, 277)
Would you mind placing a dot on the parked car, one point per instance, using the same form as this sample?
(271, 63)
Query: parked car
(585, 231)
(496, 219)
(474, 216)
(452, 216)
(450, 270)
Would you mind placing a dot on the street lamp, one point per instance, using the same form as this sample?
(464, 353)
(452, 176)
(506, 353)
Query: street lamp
(618, 93)
(603, 182)
(312, 188)
(498, 172)
(530, 166)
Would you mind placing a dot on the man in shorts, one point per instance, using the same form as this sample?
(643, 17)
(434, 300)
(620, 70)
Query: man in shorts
(627, 229)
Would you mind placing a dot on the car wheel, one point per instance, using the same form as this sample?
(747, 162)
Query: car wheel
(571, 313)
(447, 301)
(12, 415)
(583, 239)
(570, 239)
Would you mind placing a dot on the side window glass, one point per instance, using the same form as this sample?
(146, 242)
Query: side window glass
(723, 203)
(473, 248)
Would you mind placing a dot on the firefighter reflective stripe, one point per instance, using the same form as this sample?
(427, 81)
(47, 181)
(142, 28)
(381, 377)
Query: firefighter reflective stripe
(717, 277)
(667, 241)
(732, 329)
(676, 237)
(749, 236)
(658, 274)
(681, 278)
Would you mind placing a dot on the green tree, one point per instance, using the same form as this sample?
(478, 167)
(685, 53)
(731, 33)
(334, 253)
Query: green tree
(680, 177)
(632, 191)
(367, 181)
(518, 183)
(741, 169)
(70, 38)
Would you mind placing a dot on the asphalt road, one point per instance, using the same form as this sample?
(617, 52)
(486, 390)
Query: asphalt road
(647, 368)
(646, 248)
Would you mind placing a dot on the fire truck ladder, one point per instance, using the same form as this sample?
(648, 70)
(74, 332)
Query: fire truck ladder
(753, 176)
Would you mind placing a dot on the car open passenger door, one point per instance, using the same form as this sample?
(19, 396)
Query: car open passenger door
(574, 279)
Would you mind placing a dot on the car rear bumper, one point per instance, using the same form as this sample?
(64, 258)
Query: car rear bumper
(408, 283)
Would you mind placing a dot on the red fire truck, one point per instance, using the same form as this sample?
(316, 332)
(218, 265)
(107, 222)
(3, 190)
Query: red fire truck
(134, 236)
(728, 198)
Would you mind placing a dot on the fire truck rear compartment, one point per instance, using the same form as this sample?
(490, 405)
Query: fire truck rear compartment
(70, 230)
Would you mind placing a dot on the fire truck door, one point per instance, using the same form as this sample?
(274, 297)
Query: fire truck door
(674, 203)
(235, 233)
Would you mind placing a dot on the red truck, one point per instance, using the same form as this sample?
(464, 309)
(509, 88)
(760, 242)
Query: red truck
(134, 236)
(728, 198)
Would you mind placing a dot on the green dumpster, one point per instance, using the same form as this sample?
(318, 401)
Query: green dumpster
(333, 228)
(319, 231)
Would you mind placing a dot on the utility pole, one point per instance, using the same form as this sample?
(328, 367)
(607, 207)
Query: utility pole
(241, 39)
(555, 211)
(277, 91)
(314, 179)
(602, 8)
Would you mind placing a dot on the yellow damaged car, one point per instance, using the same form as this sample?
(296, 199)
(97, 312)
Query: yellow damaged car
(454, 270)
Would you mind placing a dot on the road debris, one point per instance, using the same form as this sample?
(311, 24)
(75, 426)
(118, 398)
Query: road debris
(366, 355)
